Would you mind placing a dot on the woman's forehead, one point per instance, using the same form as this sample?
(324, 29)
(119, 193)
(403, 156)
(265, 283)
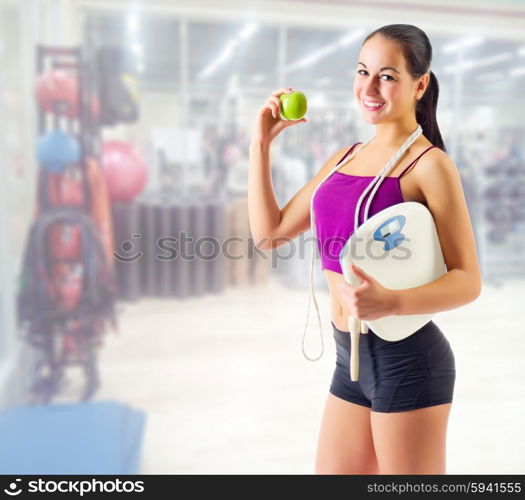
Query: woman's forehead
(378, 52)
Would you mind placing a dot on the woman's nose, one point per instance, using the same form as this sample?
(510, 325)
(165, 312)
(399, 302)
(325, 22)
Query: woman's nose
(370, 88)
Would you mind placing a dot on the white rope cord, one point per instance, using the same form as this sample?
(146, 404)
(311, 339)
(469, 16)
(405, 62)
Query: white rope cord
(377, 182)
(312, 230)
(381, 176)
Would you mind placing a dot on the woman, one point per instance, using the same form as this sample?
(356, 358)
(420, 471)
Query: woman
(392, 420)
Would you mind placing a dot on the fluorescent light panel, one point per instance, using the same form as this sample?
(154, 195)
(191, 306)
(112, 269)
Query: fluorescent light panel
(326, 50)
(465, 43)
(228, 51)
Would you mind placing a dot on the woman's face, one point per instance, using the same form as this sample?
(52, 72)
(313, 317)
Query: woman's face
(381, 76)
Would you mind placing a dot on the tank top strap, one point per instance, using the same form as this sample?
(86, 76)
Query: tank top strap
(348, 152)
(430, 147)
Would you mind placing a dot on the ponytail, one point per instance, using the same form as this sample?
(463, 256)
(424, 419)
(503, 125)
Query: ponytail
(426, 113)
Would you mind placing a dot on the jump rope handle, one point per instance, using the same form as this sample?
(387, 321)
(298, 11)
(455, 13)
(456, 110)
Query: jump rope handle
(356, 327)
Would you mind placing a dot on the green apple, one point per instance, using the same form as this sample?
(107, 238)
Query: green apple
(293, 105)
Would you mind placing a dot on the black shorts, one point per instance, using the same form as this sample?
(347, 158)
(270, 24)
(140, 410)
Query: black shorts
(415, 372)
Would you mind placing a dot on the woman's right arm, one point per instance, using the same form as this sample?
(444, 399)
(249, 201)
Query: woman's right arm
(270, 226)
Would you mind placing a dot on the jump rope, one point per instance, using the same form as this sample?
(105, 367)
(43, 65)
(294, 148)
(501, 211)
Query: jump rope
(375, 183)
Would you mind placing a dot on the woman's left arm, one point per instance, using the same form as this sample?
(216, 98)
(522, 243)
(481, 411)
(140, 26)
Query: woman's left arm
(440, 183)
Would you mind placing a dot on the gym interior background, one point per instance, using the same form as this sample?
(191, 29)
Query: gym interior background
(125, 126)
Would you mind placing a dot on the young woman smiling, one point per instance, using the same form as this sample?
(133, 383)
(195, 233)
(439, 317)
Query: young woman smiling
(393, 420)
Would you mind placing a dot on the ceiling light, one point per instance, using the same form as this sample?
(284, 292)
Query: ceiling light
(248, 31)
(463, 44)
(228, 51)
(479, 63)
(324, 51)
(349, 38)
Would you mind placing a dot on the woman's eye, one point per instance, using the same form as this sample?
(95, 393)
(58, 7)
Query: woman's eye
(389, 78)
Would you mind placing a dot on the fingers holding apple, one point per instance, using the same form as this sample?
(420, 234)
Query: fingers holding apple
(275, 106)
(283, 111)
(275, 102)
(293, 105)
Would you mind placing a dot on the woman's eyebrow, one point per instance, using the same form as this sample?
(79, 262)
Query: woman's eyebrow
(384, 67)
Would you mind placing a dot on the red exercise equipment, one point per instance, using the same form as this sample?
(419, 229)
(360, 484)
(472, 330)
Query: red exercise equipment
(57, 92)
(125, 171)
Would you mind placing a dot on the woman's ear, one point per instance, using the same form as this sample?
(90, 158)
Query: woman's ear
(424, 82)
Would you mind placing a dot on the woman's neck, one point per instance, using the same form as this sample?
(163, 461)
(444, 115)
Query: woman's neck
(393, 135)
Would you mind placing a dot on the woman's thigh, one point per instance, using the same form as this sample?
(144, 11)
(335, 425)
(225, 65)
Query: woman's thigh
(411, 442)
(345, 443)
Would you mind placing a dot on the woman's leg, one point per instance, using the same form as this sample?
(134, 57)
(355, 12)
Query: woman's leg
(345, 440)
(411, 442)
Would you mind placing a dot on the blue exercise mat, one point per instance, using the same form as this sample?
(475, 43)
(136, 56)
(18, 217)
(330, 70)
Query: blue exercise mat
(90, 438)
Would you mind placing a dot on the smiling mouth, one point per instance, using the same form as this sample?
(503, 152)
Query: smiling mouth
(373, 106)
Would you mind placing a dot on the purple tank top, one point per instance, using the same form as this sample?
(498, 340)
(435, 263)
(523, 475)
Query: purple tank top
(334, 207)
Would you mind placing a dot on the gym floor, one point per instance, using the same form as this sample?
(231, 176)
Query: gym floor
(227, 390)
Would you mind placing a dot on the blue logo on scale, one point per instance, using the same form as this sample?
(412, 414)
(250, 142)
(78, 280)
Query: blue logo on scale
(390, 232)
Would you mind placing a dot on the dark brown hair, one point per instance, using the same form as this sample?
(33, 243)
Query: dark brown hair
(417, 50)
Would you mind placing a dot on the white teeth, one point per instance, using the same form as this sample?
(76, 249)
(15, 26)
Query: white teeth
(374, 103)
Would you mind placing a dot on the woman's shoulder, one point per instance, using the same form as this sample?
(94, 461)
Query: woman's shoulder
(435, 167)
(432, 156)
(424, 154)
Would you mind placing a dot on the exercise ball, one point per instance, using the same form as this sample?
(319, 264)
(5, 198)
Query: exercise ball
(57, 92)
(56, 149)
(124, 170)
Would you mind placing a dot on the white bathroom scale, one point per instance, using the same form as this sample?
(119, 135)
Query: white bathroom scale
(399, 247)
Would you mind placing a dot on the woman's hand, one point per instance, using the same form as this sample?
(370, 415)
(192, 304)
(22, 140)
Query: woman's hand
(370, 300)
(269, 124)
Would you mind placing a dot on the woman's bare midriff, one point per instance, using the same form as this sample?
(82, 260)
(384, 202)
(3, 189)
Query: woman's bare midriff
(339, 312)
(409, 190)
